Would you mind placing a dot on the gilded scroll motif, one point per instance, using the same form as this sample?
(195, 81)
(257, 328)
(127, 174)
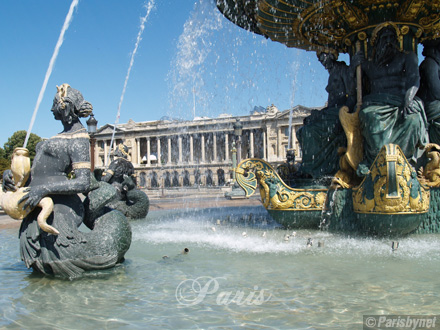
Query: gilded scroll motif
(391, 186)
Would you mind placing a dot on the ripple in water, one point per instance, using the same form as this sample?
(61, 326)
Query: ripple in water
(328, 287)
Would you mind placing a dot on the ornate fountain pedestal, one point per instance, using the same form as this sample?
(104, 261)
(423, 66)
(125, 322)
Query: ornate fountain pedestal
(377, 99)
(390, 200)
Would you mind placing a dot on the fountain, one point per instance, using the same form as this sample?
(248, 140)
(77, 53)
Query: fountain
(367, 152)
(230, 268)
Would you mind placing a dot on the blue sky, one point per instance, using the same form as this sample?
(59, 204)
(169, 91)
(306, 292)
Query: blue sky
(188, 52)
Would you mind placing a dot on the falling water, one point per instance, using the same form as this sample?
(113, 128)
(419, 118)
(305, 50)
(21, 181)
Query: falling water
(51, 65)
(150, 6)
(295, 67)
(327, 210)
(227, 70)
(289, 143)
(195, 46)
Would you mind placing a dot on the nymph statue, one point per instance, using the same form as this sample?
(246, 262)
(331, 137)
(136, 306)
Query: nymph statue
(61, 171)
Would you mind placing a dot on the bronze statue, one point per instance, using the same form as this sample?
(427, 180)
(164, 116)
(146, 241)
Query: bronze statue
(119, 167)
(287, 170)
(322, 134)
(429, 90)
(132, 202)
(391, 112)
(72, 251)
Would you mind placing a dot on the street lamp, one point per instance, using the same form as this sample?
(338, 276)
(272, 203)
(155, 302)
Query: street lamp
(234, 163)
(237, 191)
(92, 124)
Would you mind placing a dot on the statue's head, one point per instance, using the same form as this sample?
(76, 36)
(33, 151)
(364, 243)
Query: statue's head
(69, 104)
(122, 151)
(387, 36)
(327, 57)
(431, 48)
(290, 156)
(385, 41)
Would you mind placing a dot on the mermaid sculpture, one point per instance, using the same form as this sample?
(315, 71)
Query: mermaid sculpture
(70, 253)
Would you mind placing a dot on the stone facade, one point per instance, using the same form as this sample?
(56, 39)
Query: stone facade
(168, 153)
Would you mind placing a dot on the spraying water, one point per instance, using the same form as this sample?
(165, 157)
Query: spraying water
(294, 81)
(195, 46)
(150, 6)
(51, 65)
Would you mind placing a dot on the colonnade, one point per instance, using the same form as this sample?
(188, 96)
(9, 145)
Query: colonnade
(179, 153)
(196, 148)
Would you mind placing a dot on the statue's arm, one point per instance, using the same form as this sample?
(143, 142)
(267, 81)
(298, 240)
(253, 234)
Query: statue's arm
(412, 82)
(80, 158)
(108, 173)
(411, 67)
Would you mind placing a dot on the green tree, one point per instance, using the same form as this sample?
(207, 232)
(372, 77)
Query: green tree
(2, 153)
(17, 140)
(4, 165)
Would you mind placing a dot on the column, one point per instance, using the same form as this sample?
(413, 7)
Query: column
(105, 152)
(169, 150)
(138, 150)
(191, 150)
(293, 141)
(251, 141)
(148, 151)
(180, 149)
(214, 155)
(264, 146)
(226, 147)
(203, 148)
(278, 155)
(158, 151)
(268, 145)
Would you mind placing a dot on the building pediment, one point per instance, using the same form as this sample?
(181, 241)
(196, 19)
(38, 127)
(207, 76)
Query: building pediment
(108, 129)
(297, 111)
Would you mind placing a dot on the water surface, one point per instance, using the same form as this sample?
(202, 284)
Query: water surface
(240, 273)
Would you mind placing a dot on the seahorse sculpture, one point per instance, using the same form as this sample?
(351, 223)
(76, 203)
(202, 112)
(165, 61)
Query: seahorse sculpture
(432, 169)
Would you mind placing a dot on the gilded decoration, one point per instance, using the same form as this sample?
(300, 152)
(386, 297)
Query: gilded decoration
(431, 172)
(391, 186)
(351, 156)
(275, 194)
(333, 23)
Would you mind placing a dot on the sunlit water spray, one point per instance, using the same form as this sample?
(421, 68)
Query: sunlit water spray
(50, 68)
(193, 48)
(149, 7)
(221, 69)
(251, 230)
(295, 68)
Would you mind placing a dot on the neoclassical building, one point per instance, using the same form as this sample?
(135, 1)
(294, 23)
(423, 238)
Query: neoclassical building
(173, 153)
